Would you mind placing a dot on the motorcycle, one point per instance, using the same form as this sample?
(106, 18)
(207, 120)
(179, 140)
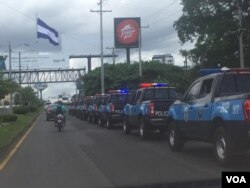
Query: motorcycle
(59, 122)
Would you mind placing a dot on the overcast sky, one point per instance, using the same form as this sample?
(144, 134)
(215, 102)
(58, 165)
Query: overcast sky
(80, 31)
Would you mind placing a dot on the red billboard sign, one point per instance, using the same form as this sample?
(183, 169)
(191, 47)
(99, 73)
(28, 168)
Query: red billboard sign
(127, 32)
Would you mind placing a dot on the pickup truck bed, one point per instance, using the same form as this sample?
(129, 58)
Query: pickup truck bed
(215, 109)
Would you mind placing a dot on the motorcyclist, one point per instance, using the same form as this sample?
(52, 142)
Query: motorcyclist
(60, 109)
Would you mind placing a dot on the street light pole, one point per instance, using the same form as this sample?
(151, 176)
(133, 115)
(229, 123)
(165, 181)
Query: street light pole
(101, 43)
(113, 53)
(139, 40)
(140, 69)
(10, 78)
(19, 64)
(20, 95)
(101, 38)
(240, 37)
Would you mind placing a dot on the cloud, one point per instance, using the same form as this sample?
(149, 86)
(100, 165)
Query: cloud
(80, 28)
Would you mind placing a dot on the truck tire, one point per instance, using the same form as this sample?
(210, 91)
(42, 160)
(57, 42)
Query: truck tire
(223, 146)
(126, 127)
(175, 139)
(84, 117)
(89, 118)
(143, 130)
(109, 123)
(100, 122)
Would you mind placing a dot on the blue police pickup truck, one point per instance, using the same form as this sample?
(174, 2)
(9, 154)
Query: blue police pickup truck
(98, 100)
(215, 109)
(111, 112)
(148, 109)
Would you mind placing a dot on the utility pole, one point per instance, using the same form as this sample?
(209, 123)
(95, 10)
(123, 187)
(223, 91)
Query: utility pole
(185, 63)
(101, 43)
(240, 36)
(113, 53)
(10, 78)
(20, 95)
(19, 63)
(140, 66)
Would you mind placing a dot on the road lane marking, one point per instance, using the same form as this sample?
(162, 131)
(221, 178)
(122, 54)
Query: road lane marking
(13, 151)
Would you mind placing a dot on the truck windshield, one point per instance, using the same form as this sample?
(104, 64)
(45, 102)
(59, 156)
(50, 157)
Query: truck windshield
(160, 93)
(119, 97)
(235, 83)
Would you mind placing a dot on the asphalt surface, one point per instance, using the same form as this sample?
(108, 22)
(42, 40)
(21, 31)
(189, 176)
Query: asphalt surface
(86, 155)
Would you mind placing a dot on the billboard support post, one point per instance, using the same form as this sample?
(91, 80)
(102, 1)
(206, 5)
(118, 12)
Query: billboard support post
(128, 55)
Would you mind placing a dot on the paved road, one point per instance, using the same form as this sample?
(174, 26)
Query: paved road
(85, 155)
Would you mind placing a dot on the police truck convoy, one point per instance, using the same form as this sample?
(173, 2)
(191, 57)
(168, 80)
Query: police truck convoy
(215, 109)
(111, 111)
(148, 109)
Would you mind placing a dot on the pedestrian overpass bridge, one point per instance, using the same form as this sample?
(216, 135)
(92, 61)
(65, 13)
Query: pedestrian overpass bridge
(44, 75)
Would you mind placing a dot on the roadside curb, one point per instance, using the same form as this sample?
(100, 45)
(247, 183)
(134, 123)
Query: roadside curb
(6, 150)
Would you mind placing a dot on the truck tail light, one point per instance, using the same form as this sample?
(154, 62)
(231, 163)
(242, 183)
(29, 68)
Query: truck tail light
(247, 110)
(112, 107)
(151, 109)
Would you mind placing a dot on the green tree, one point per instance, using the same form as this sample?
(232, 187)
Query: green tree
(127, 76)
(7, 86)
(213, 27)
(28, 97)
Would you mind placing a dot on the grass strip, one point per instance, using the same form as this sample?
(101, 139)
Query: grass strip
(8, 131)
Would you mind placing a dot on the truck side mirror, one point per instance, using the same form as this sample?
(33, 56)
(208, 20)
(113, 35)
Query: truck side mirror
(179, 97)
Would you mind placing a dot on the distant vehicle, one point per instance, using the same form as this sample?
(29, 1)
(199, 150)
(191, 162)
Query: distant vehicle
(79, 109)
(65, 98)
(98, 100)
(47, 103)
(51, 112)
(148, 109)
(111, 112)
(215, 109)
(71, 108)
(87, 101)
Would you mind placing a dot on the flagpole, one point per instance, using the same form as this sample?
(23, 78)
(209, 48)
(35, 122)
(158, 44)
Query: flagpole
(36, 36)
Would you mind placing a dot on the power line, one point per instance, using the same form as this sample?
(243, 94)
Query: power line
(158, 13)
(15, 9)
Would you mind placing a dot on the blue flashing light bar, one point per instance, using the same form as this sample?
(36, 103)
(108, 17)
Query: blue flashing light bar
(145, 85)
(118, 91)
(160, 84)
(123, 91)
(208, 71)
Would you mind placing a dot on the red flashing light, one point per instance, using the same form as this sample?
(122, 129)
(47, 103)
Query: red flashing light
(247, 110)
(151, 109)
(114, 91)
(112, 107)
(145, 85)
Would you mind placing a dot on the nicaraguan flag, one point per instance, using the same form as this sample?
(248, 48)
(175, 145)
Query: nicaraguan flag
(47, 32)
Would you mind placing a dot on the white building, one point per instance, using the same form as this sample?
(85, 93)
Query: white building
(165, 58)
